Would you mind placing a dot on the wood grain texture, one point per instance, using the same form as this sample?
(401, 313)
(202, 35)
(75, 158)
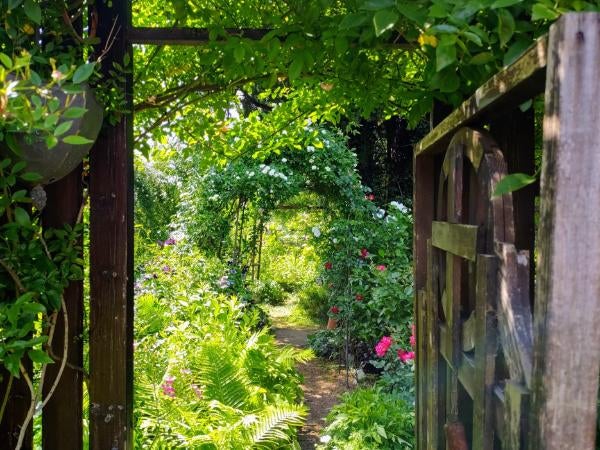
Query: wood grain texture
(567, 305)
(515, 321)
(111, 261)
(512, 86)
(485, 353)
(62, 419)
(458, 239)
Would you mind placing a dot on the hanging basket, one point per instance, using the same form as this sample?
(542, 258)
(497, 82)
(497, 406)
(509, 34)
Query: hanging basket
(332, 324)
(57, 162)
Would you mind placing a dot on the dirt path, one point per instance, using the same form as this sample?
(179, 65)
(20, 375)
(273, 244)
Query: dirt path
(323, 384)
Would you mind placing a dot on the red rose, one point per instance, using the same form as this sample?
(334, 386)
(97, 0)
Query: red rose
(359, 298)
(364, 253)
(334, 310)
(328, 265)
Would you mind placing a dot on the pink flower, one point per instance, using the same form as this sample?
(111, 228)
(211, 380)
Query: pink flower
(383, 346)
(405, 356)
(364, 253)
(197, 390)
(167, 386)
(380, 267)
(370, 197)
(413, 341)
(328, 265)
(412, 328)
(334, 310)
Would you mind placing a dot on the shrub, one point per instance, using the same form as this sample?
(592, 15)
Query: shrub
(370, 418)
(269, 292)
(326, 343)
(313, 299)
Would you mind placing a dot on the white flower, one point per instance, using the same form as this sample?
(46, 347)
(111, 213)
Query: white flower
(325, 439)
(251, 174)
(316, 232)
(314, 167)
(327, 169)
(283, 160)
(380, 213)
(310, 149)
(399, 206)
(284, 132)
(334, 240)
(272, 172)
(265, 169)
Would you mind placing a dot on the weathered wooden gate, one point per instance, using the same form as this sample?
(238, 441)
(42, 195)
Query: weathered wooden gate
(496, 369)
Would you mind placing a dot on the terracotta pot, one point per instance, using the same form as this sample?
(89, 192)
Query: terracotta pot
(57, 162)
(331, 324)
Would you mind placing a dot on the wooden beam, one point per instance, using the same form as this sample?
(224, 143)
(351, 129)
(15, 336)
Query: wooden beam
(111, 258)
(458, 239)
(515, 84)
(187, 36)
(62, 420)
(200, 36)
(567, 303)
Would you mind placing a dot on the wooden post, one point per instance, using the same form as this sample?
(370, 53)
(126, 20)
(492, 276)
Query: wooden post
(16, 409)
(62, 421)
(111, 257)
(423, 205)
(567, 307)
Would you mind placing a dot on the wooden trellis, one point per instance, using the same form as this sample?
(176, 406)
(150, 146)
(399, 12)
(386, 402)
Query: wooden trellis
(496, 369)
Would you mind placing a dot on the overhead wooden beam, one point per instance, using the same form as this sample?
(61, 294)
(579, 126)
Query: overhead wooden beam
(187, 36)
(199, 36)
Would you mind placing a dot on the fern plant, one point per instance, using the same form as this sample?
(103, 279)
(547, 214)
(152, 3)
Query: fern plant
(205, 378)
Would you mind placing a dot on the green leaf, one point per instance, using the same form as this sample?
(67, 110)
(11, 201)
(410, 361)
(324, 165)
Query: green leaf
(482, 58)
(413, 13)
(83, 72)
(74, 112)
(543, 12)
(353, 21)
(384, 20)
(445, 55)
(21, 217)
(12, 4)
(295, 68)
(5, 59)
(515, 50)
(51, 141)
(238, 53)
(513, 182)
(75, 139)
(63, 128)
(33, 11)
(40, 357)
(506, 26)
(505, 3)
(18, 167)
(31, 176)
(376, 5)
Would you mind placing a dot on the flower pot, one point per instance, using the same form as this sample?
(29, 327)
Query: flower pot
(57, 162)
(331, 324)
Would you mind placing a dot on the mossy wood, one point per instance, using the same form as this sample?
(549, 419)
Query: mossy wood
(495, 363)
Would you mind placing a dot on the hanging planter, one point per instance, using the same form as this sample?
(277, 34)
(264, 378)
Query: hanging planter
(332, 323)
(57, 162)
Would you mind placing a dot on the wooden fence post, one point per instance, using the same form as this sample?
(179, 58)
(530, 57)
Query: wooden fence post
(111, 255)
(62, 420)
(567, 307)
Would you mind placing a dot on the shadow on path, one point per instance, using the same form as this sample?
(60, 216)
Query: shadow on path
(324, 381)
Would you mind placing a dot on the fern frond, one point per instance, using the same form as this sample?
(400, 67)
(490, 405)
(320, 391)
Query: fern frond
(275, 424)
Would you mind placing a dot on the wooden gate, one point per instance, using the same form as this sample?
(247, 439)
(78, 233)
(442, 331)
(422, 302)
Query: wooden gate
(490, 375)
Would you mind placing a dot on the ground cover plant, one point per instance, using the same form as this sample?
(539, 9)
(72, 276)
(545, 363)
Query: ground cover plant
(207, 375)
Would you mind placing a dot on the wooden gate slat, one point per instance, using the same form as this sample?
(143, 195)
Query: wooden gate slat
(514, 312)
(485, 352)
(458, 239)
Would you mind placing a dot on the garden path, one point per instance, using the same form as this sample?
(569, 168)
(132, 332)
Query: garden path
(324, 382)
